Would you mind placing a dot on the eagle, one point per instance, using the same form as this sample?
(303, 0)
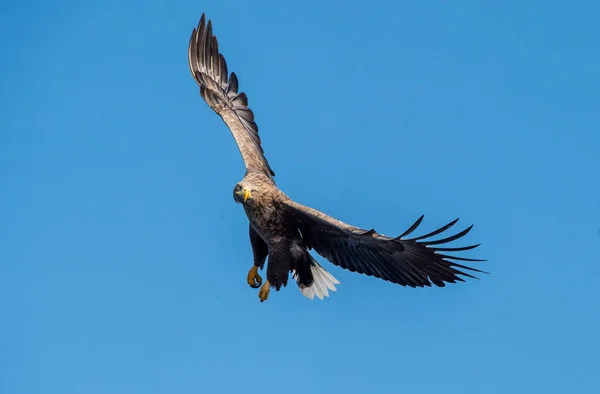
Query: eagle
(285, 231)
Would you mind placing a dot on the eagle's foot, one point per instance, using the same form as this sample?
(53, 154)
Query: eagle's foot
(254, 279)
(263, 293)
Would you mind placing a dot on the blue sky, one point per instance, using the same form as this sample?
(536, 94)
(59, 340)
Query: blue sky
(124, 257)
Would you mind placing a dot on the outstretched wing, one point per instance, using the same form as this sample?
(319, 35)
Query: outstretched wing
(209, 69)
(414, 262)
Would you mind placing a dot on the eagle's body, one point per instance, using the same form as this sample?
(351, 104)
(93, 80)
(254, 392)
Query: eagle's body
(275, 234)
(284, 231)
(269, 226)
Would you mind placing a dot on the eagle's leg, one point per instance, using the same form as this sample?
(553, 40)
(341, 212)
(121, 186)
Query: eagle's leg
(254, 279)
(260, 250)
(263, 293)
(279, 267)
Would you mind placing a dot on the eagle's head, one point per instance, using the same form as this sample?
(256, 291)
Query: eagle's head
(244, 192)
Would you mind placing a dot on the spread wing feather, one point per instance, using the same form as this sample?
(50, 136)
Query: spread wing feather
(209, 69)
(414, 262)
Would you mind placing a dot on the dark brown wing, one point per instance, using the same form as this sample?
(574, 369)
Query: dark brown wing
(209, 69)
(414, 262)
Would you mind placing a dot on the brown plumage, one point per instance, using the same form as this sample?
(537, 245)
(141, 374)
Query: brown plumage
(285, 231)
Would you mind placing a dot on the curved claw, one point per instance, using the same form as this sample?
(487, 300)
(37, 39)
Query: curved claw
(254, 279)
(256, 284)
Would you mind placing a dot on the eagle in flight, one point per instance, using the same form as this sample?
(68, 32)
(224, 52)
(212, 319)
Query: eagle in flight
(285, 231)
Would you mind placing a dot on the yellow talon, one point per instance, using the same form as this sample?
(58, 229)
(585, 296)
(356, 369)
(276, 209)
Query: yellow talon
(254, 279)
(263, 293)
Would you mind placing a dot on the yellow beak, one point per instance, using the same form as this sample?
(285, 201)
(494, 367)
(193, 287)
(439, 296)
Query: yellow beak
(246, 194)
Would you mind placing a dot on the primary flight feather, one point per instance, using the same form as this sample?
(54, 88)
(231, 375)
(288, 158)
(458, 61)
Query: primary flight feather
(284, 231)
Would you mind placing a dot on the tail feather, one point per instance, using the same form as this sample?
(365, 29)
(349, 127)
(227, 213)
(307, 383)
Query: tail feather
(322, 283)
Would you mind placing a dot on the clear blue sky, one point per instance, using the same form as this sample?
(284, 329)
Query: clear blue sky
(123, 256)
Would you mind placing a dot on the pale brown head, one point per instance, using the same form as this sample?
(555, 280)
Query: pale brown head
(245, 192)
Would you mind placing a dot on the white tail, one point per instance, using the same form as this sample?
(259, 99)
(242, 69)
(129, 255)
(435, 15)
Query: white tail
(322, 283)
